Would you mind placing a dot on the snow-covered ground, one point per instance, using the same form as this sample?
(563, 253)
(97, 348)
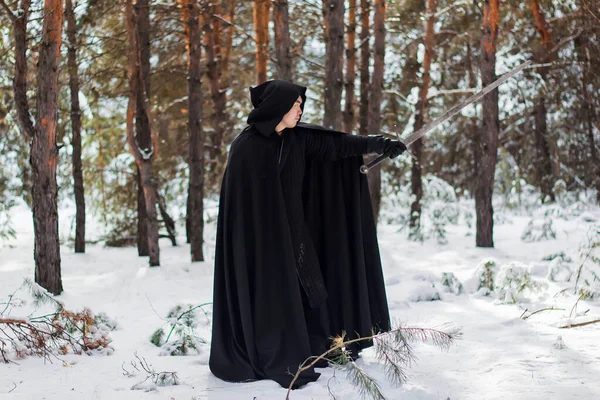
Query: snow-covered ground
(500, 355)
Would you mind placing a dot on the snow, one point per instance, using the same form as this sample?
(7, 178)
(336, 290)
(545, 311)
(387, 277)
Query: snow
(499, 356)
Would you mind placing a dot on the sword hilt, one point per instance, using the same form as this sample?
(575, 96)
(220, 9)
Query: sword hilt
(364, 169)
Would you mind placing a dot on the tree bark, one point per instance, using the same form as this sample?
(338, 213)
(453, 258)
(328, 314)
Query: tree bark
(473, 129)
(261, 34)
(488, 145)
(281, 24)
(143, 155)
(169, 222)
(195, 222)
(19, 22)
(333, 16)
(375, 99)
(142, 126)
(543, 163)
(219, 95)
(421, 110)
(44, 152)
(76, 128)
(350, 68)
(365, 56)
(581, 48)
(228, 42)
(142, 217)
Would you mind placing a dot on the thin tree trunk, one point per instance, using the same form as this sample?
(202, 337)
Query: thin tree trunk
(281, 23)
(169, 222)
(19, 22)
(44, 152)
(488, 145)
(421, 111)
(219, 97)
(543, 163)
(375, 99)
(195, 222)
(261, 33)
(473, 131)
(228, 43)
(581, 48)
(142, 217)
(350, 68)
(365, 55)
(142, 126)
(333, 16)
(143, 155)
(102, 181)
(76, 128)
(24, 120)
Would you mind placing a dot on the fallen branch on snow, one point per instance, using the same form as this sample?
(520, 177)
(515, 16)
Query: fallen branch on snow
(579, 324)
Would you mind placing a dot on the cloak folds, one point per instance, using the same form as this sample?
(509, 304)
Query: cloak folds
(296, 255)
(338, 211)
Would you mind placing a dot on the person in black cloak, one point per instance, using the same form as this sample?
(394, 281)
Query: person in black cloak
(296, 258)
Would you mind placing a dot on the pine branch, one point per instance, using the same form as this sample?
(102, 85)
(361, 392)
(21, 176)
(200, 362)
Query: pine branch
(367, 386)
(393, 350)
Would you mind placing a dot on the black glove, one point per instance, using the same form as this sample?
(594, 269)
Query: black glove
(379, 144)
(395, 147)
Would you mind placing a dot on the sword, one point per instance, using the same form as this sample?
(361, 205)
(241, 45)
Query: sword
(448, 114)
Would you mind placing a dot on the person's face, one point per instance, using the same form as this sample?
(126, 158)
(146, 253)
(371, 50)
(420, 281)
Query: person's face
(293, 116)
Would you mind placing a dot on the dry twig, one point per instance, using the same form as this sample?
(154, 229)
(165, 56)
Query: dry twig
(579, 324)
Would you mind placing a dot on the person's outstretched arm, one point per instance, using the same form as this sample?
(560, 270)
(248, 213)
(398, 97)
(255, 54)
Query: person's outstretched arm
(324, 145)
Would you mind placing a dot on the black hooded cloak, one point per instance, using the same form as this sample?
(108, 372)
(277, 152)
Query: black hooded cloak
(296, 257)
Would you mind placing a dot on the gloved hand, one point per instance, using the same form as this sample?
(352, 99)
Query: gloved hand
(379, 144)
(395, 147)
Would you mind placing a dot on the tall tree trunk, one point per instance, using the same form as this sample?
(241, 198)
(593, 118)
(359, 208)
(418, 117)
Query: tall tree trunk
(44, 152)
(473, 129)
(142, 126)
(421, 110)
(581, 48)
(227, 42)
(333, 16)
(488, 145)
(262, 10)
(281, 23)
(350, 68)
(543, 163)
(143, 155)
(375, 99)
(191, 19)
(19, 22)
(365, 55)
(76, 128)
(212, 40)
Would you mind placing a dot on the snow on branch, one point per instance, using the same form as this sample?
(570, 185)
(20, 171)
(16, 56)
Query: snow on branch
(56, 333)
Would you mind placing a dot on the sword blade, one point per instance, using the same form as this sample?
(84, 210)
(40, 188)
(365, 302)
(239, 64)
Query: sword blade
(457, 108)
